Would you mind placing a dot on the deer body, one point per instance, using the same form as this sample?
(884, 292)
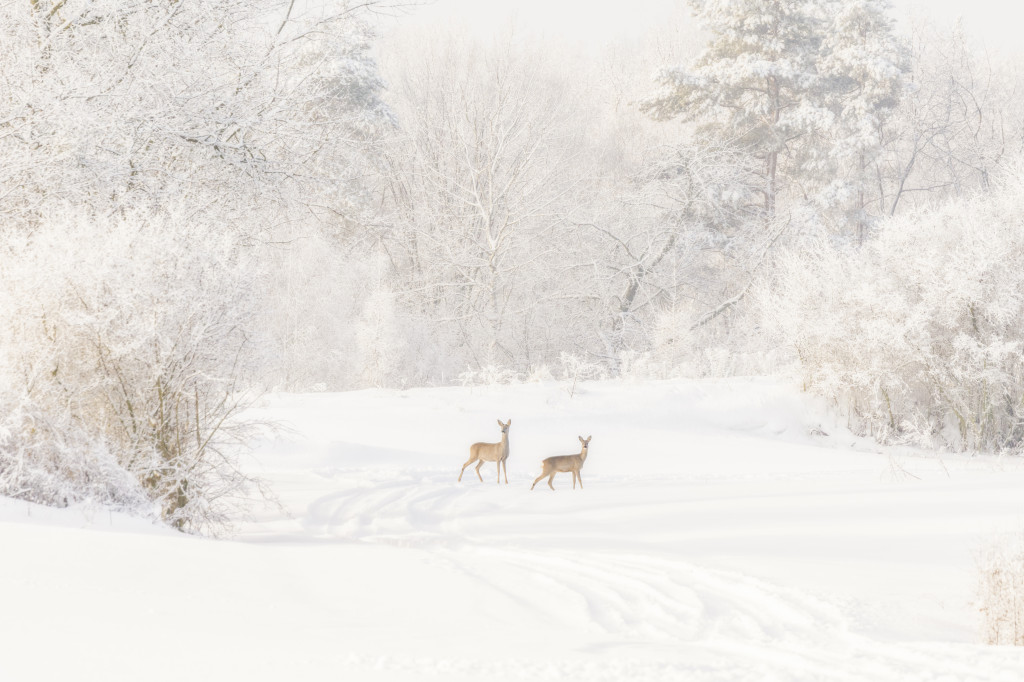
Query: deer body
(565, 464)
(490, 452)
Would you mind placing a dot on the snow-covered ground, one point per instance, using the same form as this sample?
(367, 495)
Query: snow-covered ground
(728, 530)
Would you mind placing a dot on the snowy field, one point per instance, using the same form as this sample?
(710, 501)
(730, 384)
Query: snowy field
(728, 530)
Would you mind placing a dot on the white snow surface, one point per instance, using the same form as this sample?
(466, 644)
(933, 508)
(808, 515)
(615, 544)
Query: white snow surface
(729, 530)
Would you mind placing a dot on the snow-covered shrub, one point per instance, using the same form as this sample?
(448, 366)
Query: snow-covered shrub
(490, 375)
(575, 368)
(731, 345)
(48, 459)
(539, 374)
(129, 335)
(919, 333)
(1001, 592)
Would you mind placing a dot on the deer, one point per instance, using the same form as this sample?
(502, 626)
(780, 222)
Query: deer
(490, 452)
(565, 463)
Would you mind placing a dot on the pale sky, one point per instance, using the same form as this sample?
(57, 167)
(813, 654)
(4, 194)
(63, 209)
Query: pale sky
(592, 23)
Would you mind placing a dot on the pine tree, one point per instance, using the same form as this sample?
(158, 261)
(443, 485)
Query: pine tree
(801, 86)
(863, 63)
(752, 87)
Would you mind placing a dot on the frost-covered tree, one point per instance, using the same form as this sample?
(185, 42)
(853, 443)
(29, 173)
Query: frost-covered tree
(476, 188)
(864, 64)
(918, 335)
(956, 129)
(672, 240)
(128, 349)
(755, 87)
(800, 86)
(118, 105)
(337, 78)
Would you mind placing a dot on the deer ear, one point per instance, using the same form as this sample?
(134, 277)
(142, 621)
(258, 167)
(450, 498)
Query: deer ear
(500, 424)
(581, 439)
(588, 438)
(509, 422)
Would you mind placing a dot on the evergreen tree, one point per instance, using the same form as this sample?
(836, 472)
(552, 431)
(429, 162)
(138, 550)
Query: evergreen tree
(864, 64)
(791, 83)
(750, 88)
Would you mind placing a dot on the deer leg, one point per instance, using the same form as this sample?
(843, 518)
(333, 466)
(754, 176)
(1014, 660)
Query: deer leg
(574, 480)
(504, 464)
(464, 467)
(499, 471)
(551, 478)
(579, 475)
(535, 481)
(478, 465)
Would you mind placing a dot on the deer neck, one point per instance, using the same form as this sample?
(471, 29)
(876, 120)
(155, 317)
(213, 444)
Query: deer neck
(504, 442)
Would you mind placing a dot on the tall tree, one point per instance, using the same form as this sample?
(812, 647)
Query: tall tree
(864, 64)
(959, 127)
(754, 87)
(803, 87)
(477, 182)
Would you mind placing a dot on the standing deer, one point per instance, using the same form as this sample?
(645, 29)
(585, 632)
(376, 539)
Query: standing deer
(563, 463)
(490, 452)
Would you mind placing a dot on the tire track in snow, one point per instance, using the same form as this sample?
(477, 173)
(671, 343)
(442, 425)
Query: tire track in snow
(734, 626)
